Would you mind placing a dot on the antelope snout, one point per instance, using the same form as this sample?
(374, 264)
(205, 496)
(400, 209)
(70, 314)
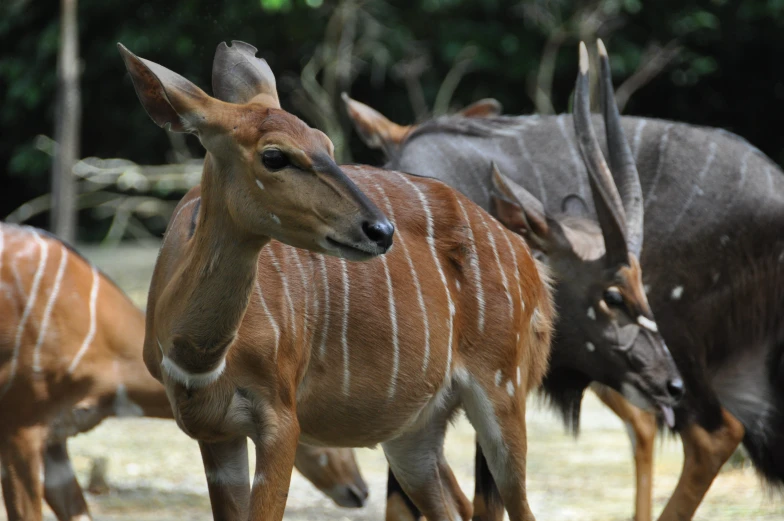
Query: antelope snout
(379, 232)
(676, 389)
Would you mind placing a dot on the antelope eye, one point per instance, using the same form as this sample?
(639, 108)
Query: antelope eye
(613, 298)
(274, 159)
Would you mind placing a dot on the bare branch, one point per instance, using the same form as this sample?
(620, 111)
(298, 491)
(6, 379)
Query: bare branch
(654, 60)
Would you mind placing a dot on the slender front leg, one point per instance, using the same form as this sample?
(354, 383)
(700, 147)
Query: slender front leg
(642, 432)
(704, 454)
(21, 455)
(228, 481)
(275, 455)
(61, 490)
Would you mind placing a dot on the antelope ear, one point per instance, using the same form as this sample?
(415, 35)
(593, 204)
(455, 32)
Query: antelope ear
(170, 100)
(374, 129)
(520, 211)
(484, 108)
(239, 77)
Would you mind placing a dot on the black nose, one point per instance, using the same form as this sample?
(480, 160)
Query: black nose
(675, 388)
(380, 232)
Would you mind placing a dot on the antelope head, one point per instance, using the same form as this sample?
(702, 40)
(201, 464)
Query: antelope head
(276, 176)
(333, 471)
(607, 329)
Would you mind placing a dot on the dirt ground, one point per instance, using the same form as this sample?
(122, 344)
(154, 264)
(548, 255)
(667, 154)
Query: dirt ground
(156, 474)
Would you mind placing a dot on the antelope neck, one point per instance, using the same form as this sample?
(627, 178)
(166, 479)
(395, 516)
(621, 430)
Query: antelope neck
(215, 284)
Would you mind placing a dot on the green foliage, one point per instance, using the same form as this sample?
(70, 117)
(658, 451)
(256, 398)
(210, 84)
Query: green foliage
(727, 74)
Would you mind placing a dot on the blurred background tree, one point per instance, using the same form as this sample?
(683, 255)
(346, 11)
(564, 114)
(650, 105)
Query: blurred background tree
(708, 62)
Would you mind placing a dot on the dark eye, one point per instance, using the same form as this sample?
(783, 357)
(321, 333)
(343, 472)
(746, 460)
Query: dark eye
(274, 159)
(613, 298)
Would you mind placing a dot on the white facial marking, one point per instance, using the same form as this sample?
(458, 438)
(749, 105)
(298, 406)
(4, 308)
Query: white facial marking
(591, 313)
(259, 184)
(498, 378)
(476, 271)
(432, 243)
(677, 293)
(648, 324)
(590, 347)
(29, 305)
(48, 310)
(510, 388)
(124, 407)
(190, 380)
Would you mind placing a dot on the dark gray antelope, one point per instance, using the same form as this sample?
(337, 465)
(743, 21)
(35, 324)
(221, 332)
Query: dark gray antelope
(712, 263)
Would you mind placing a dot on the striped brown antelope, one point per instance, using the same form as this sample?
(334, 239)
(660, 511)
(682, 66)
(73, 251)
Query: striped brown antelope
(71, 340)
(260, 326)
(711, 266)
(589, 259)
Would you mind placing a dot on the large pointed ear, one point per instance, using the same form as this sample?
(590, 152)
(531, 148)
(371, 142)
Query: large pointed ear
(484, 108)
(374, 129)
(520, 211)
(171, 101)
(239, 77)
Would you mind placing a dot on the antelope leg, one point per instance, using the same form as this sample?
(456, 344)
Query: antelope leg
(61, 490)
(20, 473)
(704, 454)
(226, 468)
(399, 505)
(642, 432)
(488, 505)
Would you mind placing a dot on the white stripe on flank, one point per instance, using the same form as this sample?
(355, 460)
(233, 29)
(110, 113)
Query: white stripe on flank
(505, 234)
(91, 331)
(696, 188)
(304, 290)
(393, 323)
(344, 330)
(272, 320)
(186, 378)
(327, 309)
(474, 263)
(48, 310)
(39, 272)
(660, 166)
(637, 137)
(500, 266)
(576, 163)
(431, 242)
(285, 282)
(414, 275)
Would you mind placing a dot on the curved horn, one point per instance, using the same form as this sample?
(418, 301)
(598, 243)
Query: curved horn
(624, 170)
(238, 76)
(605, 195)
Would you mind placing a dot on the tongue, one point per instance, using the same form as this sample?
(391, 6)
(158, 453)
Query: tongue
(669, 415)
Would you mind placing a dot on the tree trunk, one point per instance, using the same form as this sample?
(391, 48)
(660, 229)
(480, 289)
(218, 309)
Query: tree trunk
(67, 125)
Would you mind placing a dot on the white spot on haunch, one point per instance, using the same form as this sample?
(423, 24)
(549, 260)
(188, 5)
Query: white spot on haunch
(498, 378)
(677, 293)
(590, 347)
(258, 183)
(648, 324)
(591, 313)
(510, 388)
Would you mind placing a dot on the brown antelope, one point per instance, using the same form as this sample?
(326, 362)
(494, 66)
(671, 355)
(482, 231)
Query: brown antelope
(69, 335)
(711, 266)
(258, 338)
(596, 268)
